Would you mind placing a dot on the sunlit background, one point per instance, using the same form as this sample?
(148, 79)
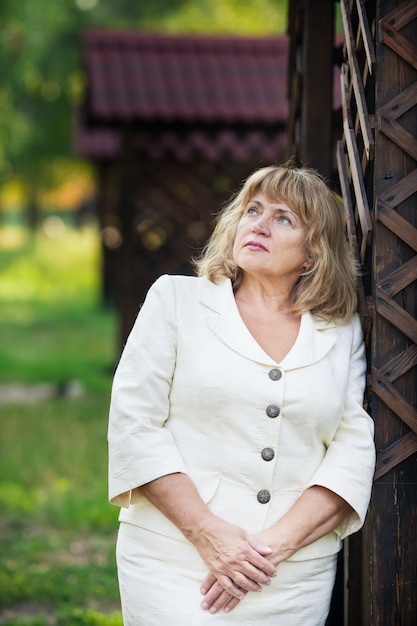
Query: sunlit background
(57, 338)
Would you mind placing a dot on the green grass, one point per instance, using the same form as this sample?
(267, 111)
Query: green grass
(57, 531)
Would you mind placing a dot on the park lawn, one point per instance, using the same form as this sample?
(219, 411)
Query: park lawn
(57, 530)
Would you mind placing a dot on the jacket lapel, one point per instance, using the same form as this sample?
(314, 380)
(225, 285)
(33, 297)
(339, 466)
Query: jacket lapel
(311, 345)
(224, 320)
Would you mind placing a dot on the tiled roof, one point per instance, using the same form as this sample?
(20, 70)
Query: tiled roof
(205, 79)
(187, 96)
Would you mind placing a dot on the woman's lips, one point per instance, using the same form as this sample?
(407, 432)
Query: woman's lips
(255, 245)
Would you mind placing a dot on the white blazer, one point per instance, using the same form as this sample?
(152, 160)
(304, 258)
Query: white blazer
(195, 393)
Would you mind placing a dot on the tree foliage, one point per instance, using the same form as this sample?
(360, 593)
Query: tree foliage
(43, 80)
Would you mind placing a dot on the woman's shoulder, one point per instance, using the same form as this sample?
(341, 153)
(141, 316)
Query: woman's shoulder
(178, 287)
(192, 291)
(349, 331)
(354, 322)
(182, 281)
(176, 281)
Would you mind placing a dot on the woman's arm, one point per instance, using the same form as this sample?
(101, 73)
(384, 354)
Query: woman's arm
(317, 512)
(236, 561)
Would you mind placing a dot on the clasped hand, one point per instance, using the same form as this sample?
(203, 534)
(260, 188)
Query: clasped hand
(237, 564)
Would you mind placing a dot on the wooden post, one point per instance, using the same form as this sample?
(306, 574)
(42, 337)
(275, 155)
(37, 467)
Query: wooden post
(128, 292)
(317, 86)
(393, 512)
(109, 230)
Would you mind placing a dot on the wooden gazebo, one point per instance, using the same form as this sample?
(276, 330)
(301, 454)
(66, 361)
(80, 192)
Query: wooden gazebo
(173, 124)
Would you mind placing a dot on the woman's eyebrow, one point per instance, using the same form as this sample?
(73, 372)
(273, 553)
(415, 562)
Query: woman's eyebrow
(289, 211)
(276, 210)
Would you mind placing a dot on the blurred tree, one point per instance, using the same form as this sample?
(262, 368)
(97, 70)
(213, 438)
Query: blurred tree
(42, 77)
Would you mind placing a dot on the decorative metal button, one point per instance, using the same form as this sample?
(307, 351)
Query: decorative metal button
(263, 496)
(267, 454)
(275, 374)
(273, 410)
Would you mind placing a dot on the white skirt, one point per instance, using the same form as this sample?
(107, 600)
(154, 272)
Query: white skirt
(160, 577)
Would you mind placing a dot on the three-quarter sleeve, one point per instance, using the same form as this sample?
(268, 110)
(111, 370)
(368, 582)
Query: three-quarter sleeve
(348, 466)
(140, 448)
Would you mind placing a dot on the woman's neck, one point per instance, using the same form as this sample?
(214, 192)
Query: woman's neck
(270, 297)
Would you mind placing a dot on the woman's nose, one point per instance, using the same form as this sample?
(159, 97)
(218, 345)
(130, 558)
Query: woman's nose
(261, 226)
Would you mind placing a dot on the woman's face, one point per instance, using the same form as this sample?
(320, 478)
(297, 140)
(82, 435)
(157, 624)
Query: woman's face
(270, 242)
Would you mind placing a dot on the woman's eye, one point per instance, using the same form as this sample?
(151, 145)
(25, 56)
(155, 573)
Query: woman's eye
(252, 210)
(284, 219)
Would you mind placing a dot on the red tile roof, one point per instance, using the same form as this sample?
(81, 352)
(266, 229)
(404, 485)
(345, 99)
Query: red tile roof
(187, 95)
(205, 79)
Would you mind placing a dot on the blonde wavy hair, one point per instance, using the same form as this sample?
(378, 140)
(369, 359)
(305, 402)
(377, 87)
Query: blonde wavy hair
(327, 289)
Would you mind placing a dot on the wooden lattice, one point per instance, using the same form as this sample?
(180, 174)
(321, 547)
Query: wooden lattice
(355, 154)
(165, 213)
(395, 209)
(356, 149)
(377, 169)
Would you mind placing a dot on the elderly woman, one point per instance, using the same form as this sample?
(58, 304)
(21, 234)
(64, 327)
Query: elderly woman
(239, 449)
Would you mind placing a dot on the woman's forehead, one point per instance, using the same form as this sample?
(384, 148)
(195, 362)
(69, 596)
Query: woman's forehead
(272, 196)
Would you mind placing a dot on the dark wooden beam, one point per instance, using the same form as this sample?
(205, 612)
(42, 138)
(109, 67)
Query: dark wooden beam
(317, 148)
(393, 510)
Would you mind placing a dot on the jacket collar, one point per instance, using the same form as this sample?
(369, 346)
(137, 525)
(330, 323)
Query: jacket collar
(311, 345)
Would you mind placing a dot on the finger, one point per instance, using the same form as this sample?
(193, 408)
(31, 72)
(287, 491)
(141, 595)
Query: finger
(233, 589)
(262, 564)
(259, 546)
(255, 574)
(235, 585)
(212, 596)
(223, 599)
(245, 583)
(231, 604)
(207, 583)
(219, 603)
